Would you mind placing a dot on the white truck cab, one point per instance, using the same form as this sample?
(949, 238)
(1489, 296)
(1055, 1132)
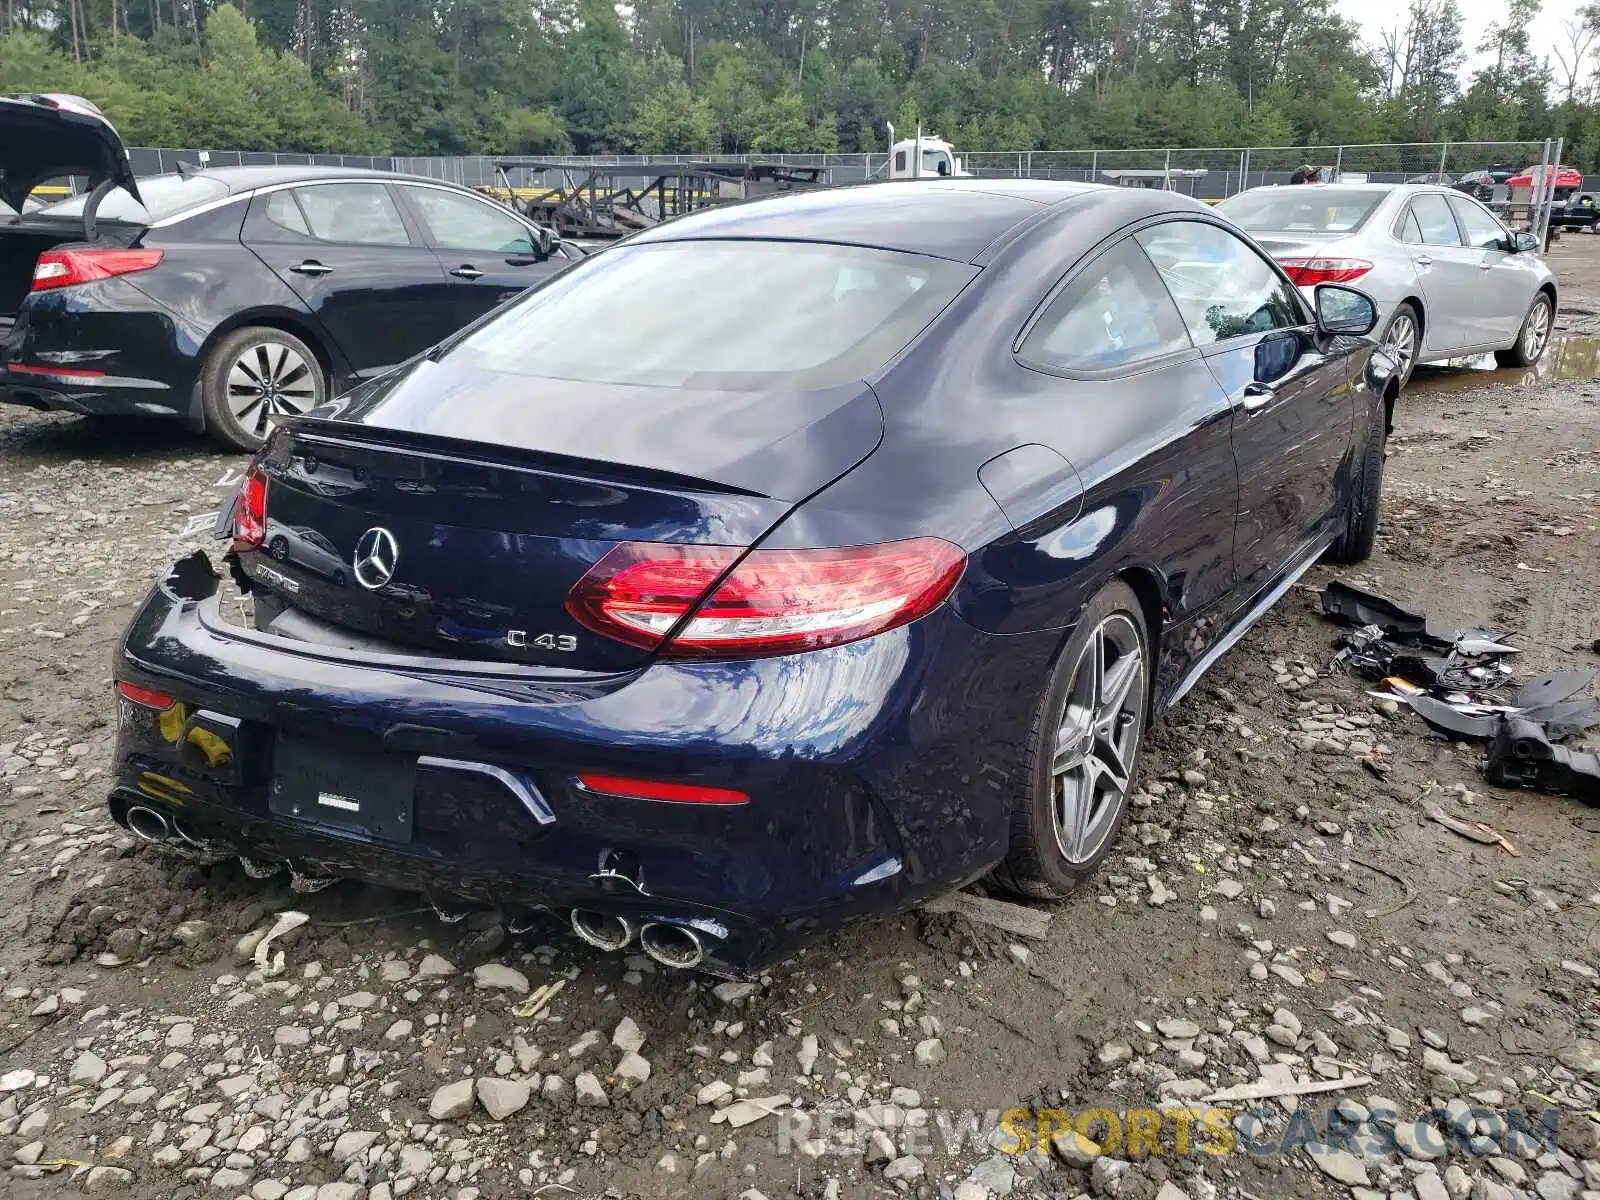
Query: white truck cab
(925, 156)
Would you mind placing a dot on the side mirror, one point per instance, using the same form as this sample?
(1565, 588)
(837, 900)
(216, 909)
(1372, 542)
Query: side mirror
(1344, 310)
(1522, 243)
(545, 242)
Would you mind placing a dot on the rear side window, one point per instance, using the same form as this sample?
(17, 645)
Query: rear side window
(1114, 313)
(1409, 230)
(361, 213)
(1433, 218)
(1223, 288)
(743, 316)
(282, 211)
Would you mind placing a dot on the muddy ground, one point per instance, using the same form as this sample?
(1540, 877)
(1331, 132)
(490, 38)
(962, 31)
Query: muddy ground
(1279, 908)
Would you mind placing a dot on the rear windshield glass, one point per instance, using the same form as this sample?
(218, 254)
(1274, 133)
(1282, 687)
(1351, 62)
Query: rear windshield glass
(731, 315)
(1301, 209)
(164, 196)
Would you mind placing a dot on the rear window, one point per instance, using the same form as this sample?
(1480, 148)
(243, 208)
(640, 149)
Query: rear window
(730, 315)
(1301, 209)
(163, 195)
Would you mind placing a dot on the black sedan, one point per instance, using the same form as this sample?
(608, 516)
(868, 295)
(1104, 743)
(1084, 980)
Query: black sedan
(854, 574)
(230, 298)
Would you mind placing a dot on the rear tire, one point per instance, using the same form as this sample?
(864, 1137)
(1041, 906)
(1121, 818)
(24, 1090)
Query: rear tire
(1402, 339)
(253, 379)
(1533, 337)
(1364, 510)
(1082, 756)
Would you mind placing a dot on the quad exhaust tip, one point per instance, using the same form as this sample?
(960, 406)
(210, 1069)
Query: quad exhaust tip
(603, 930)
(675, 946)
(147, 824)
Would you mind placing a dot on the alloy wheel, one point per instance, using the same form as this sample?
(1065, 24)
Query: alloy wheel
(1537, 332)
(1097, 739)
(1400, 343)
(267, 382)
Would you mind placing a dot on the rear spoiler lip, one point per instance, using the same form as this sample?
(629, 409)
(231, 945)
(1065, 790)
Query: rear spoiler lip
(334, 431)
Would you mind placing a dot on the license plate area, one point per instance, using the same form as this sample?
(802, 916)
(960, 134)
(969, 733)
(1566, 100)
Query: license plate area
(355, 791)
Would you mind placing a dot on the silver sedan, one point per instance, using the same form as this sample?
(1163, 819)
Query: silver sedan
(1449, 279)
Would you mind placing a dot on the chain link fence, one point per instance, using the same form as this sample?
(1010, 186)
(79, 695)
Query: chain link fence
(1206, 172)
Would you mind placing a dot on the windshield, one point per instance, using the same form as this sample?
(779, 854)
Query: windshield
(730, 315)
(1302, 209)
(163, 195)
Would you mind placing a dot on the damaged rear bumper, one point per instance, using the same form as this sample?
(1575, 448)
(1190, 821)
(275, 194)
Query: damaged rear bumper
(862, 798)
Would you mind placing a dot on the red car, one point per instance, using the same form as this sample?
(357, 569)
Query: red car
(1568, 179)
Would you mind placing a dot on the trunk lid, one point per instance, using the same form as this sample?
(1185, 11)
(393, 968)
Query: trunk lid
(50, 136)
(450, 510)
(1297, 244)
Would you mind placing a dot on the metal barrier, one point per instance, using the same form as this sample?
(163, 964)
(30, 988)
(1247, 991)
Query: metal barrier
(1206, 172)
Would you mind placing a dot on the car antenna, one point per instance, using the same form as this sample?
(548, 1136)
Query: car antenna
(188, 170)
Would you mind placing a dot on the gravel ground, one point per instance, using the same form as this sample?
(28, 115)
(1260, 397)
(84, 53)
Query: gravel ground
(1279, 910)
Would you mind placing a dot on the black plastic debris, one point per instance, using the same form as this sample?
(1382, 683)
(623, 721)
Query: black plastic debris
(1390, 641)
(1564, 720)
(1357, 607)
(1448, 719)
(1456, 684)
(1553, 688)
(1522, 756)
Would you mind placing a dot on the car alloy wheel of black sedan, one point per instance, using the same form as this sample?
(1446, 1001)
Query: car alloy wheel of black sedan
(856, 573)
(270, 381)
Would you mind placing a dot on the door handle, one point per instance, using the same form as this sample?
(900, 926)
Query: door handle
(1422, 260)
(311, 267)
(1256, 395)
(467, 271)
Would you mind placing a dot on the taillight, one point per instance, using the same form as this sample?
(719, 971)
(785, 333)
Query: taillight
(772, 602)
(144, 697)
(63, 268)
(1308, 272)
(250, 512)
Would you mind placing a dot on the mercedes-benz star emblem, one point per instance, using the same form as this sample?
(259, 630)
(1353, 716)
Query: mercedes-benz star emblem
(376, 554)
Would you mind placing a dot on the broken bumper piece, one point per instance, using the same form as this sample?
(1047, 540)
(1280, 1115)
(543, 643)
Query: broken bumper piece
(1522, 756)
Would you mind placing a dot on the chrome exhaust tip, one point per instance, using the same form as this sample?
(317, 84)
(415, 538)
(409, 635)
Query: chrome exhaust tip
(147, 824)
(603, 930)
(675, 946)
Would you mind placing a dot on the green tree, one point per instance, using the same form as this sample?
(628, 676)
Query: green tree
(672, 120)
(735, 102)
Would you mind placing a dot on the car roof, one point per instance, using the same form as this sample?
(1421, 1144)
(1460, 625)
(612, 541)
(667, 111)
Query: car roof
(244, 179)
(948, 218)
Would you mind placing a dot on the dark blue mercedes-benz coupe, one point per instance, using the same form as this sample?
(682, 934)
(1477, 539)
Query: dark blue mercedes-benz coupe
(792, 561)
